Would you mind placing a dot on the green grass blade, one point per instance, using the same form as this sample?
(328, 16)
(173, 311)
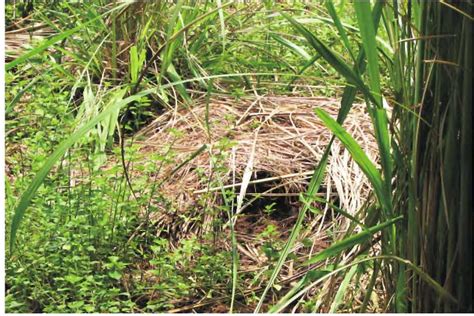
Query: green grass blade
(309, 277)
(367, 32)
(340, 29)
(281, 303)
(335, 208)
(342, 289)
(281, 260)
(383, 140)
(45, 44)
(360, 65)
(356, 152)
(298, 50)
(336, 248)
(170, 41)
(370, 288)
(168, 49)
(401, 291)
(175, 77)
(229, 204)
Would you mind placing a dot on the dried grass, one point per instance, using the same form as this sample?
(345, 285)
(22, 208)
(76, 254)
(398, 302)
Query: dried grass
(289, 140)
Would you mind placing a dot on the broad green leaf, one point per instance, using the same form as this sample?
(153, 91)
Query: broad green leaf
(73, 279)
(115, 275)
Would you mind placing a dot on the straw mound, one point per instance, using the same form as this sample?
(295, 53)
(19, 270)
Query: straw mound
(281, 137)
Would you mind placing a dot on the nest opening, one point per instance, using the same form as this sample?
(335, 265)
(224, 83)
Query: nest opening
(270, 198)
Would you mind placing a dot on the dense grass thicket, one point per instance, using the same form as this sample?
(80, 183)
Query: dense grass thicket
(90, 227)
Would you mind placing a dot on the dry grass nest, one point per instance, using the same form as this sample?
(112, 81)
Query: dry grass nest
(275, 140)
(262, 150)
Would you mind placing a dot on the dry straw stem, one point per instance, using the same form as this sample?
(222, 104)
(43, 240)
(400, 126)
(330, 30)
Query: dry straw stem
(290, 141)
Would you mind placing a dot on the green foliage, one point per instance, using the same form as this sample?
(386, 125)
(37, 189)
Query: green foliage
(82, 242)
(182, 271)
(65, 265)
(39, 178)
